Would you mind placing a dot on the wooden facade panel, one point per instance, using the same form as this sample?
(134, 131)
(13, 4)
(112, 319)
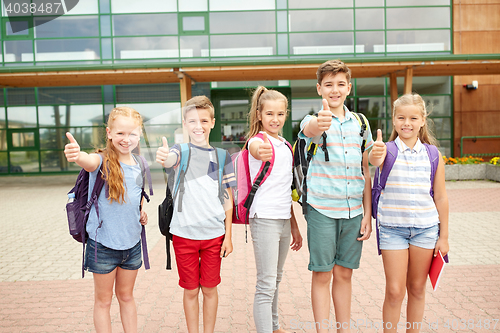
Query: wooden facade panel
(479, 42)
(482, 79)
(475, 17)
(456, 18)
(457, 43)
(468, 122)
(477, 124)
(475, 2)
(476, 112)
(457, 106)
(485, 98)
(479, 146)
(489, 123)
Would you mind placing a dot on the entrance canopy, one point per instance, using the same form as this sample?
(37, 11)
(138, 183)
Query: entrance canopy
(89, 75)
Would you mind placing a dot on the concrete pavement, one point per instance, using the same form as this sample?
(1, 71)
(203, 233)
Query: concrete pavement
(41, 289)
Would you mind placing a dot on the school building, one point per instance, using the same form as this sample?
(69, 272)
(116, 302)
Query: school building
(65, 72)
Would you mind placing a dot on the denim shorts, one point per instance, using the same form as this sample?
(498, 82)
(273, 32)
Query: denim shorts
(400, 238)
(108, 259)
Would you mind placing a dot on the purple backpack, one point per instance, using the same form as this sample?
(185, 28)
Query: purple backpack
(79, 209)
(380, 178)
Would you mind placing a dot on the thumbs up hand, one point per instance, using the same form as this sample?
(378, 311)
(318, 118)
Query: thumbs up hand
(324, 117)
(265, 149)
(379, 150)
(72, 149)
(162, 152)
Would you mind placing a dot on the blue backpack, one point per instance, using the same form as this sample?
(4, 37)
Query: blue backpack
(175, 187)
(380, 178)
(79, 209)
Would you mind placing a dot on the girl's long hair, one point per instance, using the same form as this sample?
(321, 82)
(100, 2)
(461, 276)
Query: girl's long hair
(260, 96)
(425, 134)
(112, 170)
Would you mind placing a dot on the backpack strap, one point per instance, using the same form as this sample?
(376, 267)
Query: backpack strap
(390, 159)
(145, 172)
(94, 200)
(314, 143)
(311, 151)
(433, 153)
(96, 191)
(380, 181)
(179, 181)
(271, 162)
(221, 161)
(363, 123)
(324, 147)
(380, 178)
(262, 174)
(294, 190)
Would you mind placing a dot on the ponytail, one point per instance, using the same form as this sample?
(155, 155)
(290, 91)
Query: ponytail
(259, 97)
(255, 123)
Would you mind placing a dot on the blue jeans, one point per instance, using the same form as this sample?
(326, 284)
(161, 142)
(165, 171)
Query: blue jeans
(271, 240)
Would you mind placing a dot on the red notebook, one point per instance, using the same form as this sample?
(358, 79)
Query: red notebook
(436, 270)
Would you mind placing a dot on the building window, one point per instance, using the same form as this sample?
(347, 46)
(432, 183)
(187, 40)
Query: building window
(224, 5)
(193, 23)
(242, 22)
(143, 6)
(144, 24)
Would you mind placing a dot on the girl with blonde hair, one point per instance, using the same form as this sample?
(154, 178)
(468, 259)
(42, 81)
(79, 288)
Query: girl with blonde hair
(116, 230)
(413, 222)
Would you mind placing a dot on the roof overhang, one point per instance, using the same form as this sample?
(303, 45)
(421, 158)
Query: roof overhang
(90, 75)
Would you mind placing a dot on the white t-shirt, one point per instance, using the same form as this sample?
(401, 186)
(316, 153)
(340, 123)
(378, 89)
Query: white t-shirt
(273, 199)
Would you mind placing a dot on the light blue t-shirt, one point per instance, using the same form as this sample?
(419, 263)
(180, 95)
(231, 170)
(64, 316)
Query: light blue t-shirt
(120, 229)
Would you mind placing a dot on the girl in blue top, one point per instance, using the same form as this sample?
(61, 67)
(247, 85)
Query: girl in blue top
(413, 224)
(117, 232)
(272, 222)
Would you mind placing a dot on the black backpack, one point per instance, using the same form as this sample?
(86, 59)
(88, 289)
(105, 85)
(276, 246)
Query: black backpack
(165, 212)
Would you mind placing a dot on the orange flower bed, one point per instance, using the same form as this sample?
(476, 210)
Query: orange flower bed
(462, 160)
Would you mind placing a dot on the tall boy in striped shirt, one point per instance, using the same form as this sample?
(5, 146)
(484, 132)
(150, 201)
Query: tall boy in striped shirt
(338, 209)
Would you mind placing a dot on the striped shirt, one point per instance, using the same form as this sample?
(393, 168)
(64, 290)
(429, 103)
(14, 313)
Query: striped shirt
(335, 188)
(406, 201)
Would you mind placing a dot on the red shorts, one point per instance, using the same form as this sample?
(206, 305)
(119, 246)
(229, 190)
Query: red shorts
(198, 261)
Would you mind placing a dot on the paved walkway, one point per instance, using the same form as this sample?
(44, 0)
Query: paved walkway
(41, 289)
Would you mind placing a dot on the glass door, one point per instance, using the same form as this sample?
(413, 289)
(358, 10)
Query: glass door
(231, 116)
(23, 144)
